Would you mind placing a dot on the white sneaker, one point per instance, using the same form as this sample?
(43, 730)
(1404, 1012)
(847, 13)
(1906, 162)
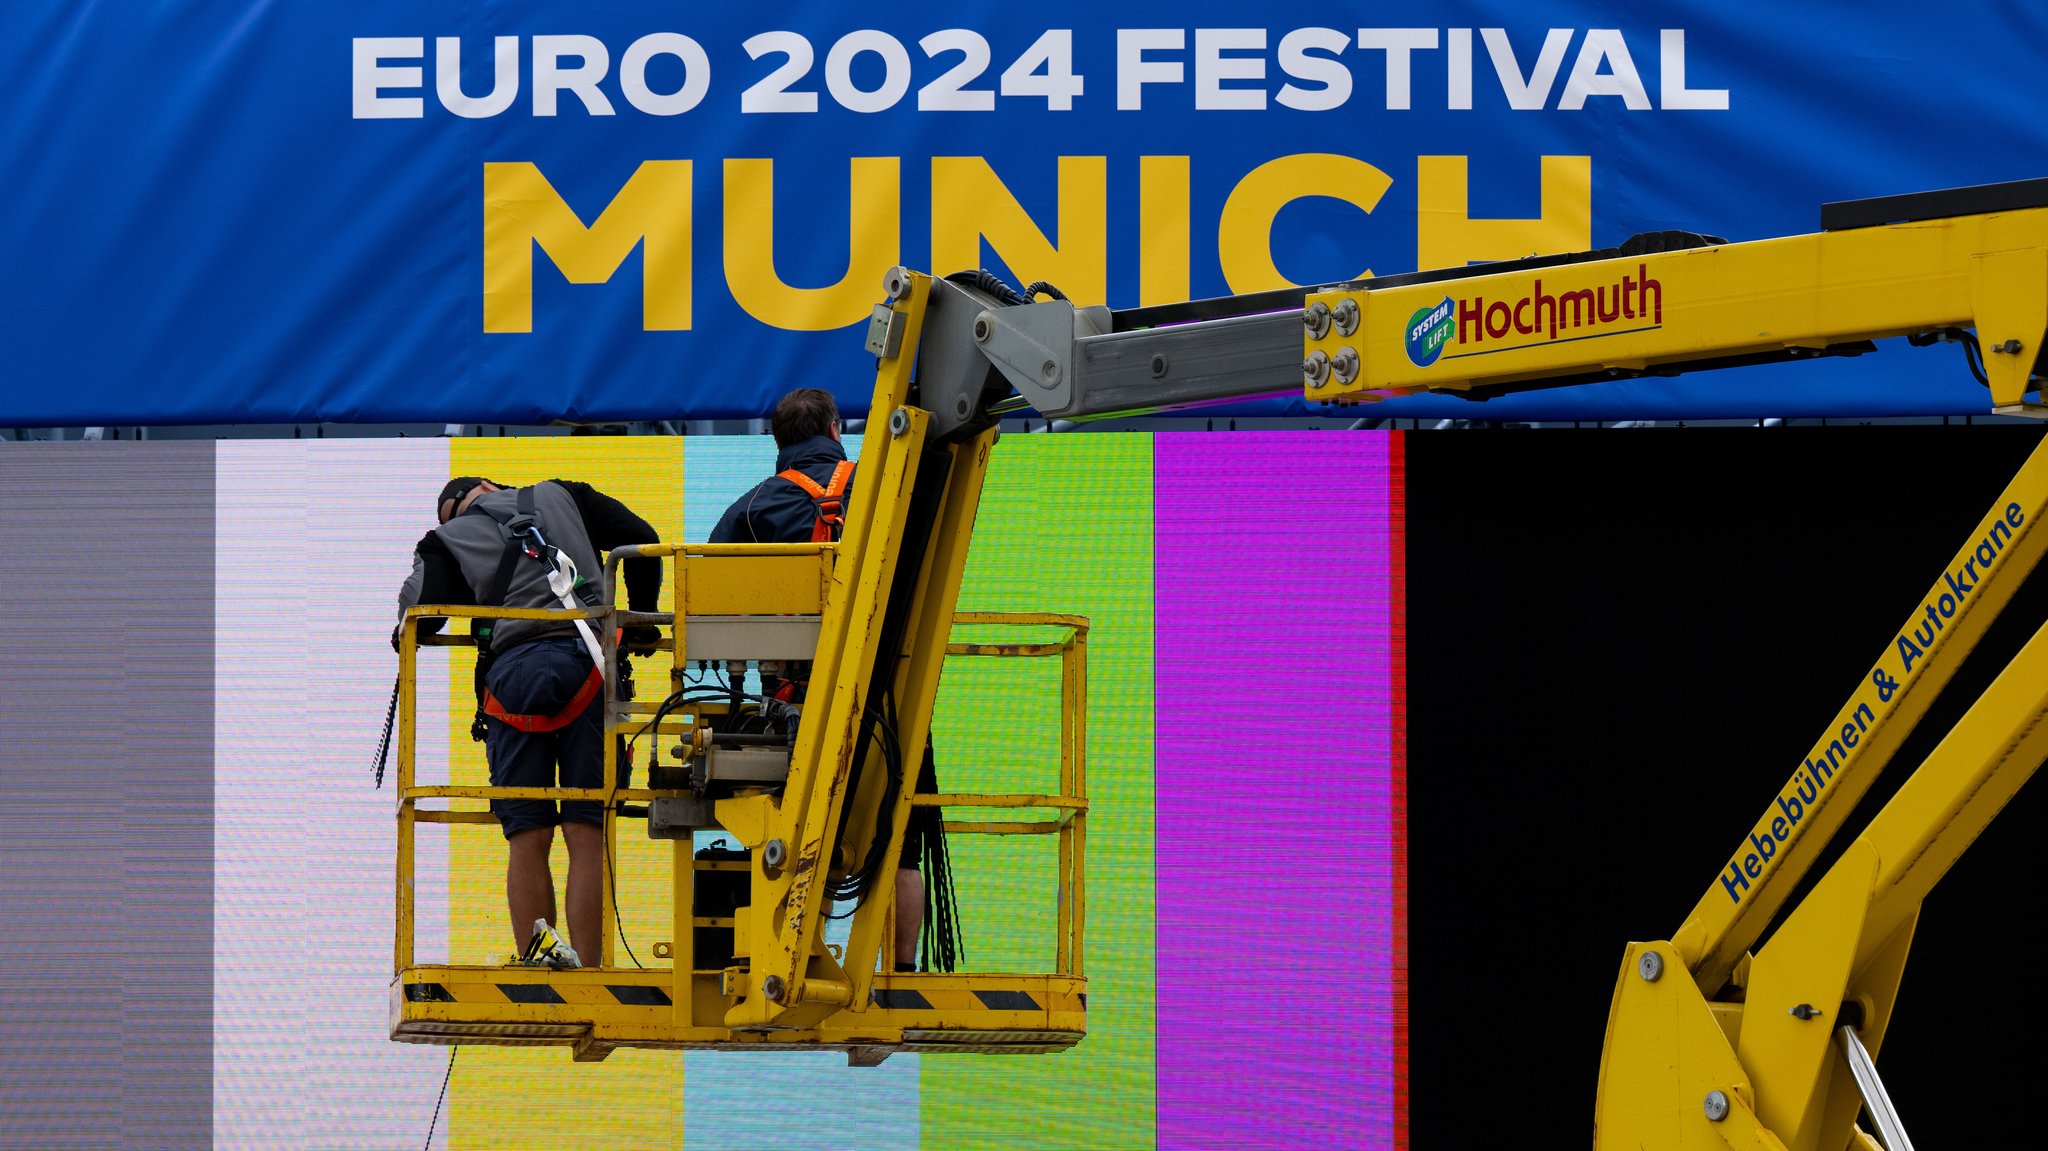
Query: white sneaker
(547, 948)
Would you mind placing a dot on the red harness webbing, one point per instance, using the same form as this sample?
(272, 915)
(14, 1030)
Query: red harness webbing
(543, 723)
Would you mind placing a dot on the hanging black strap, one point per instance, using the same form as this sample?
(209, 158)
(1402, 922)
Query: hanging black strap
(390, 717)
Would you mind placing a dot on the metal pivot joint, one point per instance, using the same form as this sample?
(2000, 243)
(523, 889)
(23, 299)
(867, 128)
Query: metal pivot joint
(1316, 318)
(1344, 365)
(1315, 370)
(885, 326)
(1345, 316)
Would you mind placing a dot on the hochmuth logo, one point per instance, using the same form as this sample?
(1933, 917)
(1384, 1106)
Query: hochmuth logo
(1635, 303)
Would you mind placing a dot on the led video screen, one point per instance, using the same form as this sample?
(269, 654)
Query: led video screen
(1394, 742)
(1206, 566)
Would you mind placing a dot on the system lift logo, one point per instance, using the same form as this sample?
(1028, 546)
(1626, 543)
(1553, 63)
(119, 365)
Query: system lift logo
(1429, 329)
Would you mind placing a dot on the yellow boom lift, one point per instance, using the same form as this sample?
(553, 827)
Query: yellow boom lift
(1707, 1046)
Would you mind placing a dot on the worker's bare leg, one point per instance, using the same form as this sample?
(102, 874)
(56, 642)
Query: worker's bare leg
(529, 885)
(909, 913)
(586, 890)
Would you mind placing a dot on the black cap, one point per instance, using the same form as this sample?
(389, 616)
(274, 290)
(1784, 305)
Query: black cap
(456, 489)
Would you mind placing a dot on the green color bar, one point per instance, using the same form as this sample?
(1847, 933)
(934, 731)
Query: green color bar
(1066, 526)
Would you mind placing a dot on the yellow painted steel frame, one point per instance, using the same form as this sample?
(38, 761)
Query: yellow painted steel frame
(1988, 272)
(410, 791)
(792, 982)
(788, 990)
(1842, 949)
(596, 1010)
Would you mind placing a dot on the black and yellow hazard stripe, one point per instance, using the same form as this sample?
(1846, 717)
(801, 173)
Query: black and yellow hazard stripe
(542, 992)
(595, 1010)
(955, 999)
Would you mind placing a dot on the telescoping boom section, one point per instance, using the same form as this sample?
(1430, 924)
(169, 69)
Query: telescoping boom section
(1968, 266)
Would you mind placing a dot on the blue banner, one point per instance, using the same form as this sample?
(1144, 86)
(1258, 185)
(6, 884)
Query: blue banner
(521, 211)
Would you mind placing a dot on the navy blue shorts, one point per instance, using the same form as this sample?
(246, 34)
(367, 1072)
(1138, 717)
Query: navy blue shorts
(539, 677)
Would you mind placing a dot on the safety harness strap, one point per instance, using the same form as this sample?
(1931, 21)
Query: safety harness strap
(501, 580)
(592, 684)
(831, 500)
(524, 537)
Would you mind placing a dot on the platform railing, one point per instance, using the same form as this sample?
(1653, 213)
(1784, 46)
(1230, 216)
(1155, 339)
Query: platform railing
(1061, 814)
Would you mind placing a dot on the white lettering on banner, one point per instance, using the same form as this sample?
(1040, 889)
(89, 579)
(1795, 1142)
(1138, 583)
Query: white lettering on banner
(950, 92)
(551, 77)
(1604, 45)
(1327, 71)
(770, 93)
(1671, 48)
(895, 71)
(1529, 94)
(870, 71)
(1398, 44)
(1212, 67)
(1134, 71)
(372, 77)
(504, 78)
(1046, 69)
(696, 74)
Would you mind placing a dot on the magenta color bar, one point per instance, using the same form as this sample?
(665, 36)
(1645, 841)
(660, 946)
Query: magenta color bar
(1281, 867)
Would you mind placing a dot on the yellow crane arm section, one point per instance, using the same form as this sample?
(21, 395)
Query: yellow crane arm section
(1760, 1051)
(1633, 315)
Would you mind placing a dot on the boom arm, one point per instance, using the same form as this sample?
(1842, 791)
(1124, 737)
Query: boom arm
(1922, 266)
(1708, 1046)
(1857, 744)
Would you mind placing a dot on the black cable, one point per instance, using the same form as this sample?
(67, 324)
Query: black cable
(928, 492)
(452, 1049)
(674, 700)
(611, 874)
(1973, 353)
(856, 885)
(710, 673)
(991, 284)
(939, 940)
(390, 718)
(1039, 288)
